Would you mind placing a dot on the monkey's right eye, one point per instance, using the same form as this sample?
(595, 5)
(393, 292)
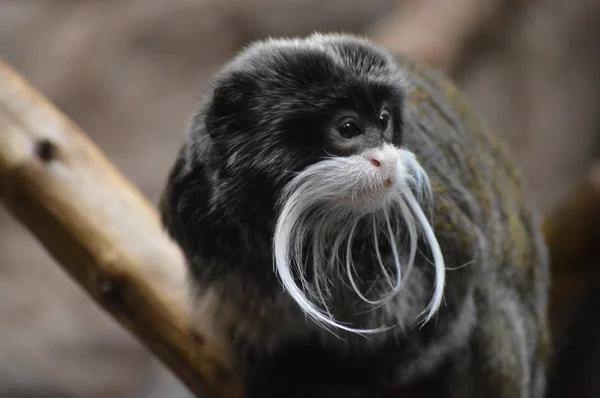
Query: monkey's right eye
(349, 129)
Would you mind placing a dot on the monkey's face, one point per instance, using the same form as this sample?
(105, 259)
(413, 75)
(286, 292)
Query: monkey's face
(316, 125)
(279, 108)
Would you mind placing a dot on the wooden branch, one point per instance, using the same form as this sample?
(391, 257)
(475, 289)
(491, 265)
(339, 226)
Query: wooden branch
(105, 234)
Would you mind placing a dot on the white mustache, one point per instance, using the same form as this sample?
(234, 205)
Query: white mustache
(322, 207)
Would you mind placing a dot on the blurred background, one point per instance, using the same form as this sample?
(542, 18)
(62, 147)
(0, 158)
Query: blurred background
(130, 73)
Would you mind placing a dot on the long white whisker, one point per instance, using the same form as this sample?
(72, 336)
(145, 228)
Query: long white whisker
(394, 248)
(440, 268)
(317, 276)
(460, 266)
(350, 268)
(378, 254)
(412, 236)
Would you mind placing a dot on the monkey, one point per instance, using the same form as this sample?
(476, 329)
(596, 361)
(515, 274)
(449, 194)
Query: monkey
(358, 228)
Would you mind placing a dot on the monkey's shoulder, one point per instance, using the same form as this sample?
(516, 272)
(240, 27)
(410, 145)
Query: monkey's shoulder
(480, 193)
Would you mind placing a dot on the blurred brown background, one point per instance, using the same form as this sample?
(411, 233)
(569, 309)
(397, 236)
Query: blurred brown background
(130, 73)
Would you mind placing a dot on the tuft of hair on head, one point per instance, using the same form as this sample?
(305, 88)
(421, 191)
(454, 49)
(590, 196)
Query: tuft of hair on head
(319, 212)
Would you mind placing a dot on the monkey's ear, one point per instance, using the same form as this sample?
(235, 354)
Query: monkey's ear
(232, 97)
(218, 110)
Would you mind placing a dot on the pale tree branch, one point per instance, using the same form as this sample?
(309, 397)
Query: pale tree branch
(105, 234)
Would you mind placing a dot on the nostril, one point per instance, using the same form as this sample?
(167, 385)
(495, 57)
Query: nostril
(375, 162)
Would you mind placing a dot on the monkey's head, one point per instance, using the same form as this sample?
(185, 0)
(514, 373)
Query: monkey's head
(306, 134)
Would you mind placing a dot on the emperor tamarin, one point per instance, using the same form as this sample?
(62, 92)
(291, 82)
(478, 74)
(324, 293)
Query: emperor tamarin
(360, 227)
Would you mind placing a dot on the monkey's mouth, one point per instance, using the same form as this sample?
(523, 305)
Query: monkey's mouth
(379, 185)
(371, 197)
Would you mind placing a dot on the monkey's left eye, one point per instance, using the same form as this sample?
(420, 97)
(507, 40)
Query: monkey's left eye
(349, 129)
(384, 120)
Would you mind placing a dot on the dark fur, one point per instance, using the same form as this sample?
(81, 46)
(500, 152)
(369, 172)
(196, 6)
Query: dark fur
(265, 116)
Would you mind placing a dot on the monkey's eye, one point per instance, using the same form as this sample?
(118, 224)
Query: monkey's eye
(384, 119)
(349, 129)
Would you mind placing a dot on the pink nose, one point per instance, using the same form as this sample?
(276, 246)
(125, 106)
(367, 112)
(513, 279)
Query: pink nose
(375, 162)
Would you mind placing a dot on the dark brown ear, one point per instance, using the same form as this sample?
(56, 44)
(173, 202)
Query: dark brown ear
(232, 95)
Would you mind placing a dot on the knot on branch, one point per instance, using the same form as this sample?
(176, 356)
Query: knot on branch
(112, 291)
(45, 150)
